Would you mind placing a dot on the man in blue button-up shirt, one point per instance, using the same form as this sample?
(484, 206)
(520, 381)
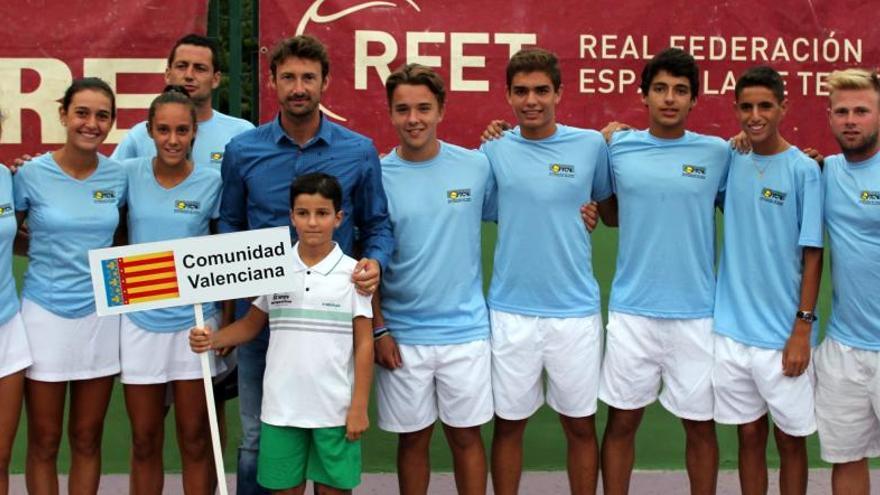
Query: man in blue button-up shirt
(258, 168)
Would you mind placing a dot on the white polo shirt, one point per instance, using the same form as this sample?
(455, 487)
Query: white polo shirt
(310, 361)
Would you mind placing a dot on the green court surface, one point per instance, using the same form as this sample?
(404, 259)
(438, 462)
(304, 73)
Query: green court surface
(660, 443)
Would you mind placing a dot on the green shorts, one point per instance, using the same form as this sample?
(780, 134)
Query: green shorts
(289, 456)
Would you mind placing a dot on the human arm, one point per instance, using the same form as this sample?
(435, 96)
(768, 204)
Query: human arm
(494, 130)
(385, 348)
(233, 198)
(357, 421)
(603, 188)
(815, 155)
(127, 148)
(120, 236)
(21, 243)
(371, 218)
(612, 127)
(239, 332)
(796, 354)
(741, 143)
(20, 161)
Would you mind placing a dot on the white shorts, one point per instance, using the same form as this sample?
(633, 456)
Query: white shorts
(642, 352)
(159, 357)
(568, 349)
(67, 349)
(748, 381)
(450, 380)
(15, 353)
(847, 402)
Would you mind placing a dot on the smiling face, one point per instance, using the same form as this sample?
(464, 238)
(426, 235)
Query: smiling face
(314, 218)
(669, 100)
(173, 130)
(759, 114)
(87, 119)
(534, 99)
(299, 86)
(415, 113)
(192, 68)
(854, 115)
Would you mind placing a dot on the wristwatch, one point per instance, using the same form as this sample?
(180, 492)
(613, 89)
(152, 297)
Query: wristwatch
(807, 316)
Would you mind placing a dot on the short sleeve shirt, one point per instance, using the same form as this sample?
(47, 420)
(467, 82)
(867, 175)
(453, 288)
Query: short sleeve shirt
(159, 214)
(772, 210)
(310, 361)
(66, 218)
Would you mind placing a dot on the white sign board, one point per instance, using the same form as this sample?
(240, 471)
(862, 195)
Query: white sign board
(191, 270)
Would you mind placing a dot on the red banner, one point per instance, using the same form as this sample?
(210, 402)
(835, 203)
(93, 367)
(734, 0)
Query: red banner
(602, 44)
(48, 43)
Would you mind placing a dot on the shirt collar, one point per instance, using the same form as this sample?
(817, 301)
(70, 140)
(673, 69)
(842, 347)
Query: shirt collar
(325, 132)
(324, 267)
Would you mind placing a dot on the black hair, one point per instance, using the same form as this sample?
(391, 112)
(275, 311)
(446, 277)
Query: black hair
(89, 83)
(302, 46)
(763, 76)
(172, 94)
(675, 61)
(535, 60)
(317, 183)
(197, 40)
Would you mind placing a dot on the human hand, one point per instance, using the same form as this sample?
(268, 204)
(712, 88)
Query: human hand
(796, 354)
(590, 215)
(494, 130)
(356, 423)
(200, 339)
(612, 127)
(387, 353)
(366, 276)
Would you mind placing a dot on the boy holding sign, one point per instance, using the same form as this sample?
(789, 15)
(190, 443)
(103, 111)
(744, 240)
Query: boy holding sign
(319, 362)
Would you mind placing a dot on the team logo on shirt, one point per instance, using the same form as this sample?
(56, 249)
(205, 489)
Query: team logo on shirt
(216, 156)
(772, 196)
(693, 171)
(280, 299)
(458, 196)
(184, 206)
(5, 210)
(104, 196)
(561, 170)
(866, 198)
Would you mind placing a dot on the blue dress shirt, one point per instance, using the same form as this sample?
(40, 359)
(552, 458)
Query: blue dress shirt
(259, 166)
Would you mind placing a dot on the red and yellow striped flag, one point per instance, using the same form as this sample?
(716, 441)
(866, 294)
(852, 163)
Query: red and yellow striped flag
(136, 279)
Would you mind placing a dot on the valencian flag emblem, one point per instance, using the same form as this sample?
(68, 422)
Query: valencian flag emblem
(136, 279)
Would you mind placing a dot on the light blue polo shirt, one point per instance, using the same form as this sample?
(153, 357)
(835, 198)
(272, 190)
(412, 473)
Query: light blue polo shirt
(159, 214)
(8, 227)
(666, 191)
(543, 257)
(211, 138)
(66, 218)
(852, 216)
(432, 288)
(772, 210)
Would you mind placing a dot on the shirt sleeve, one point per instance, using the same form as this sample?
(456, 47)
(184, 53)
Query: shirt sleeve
(262, 303)
(602, 188)
(233, 199)
(127, 148)
(810, 205)
(20, 191)
(722, 185)
(214, 193)
(123, 189)
(371, 211)
(490, 199)
(361, 305)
